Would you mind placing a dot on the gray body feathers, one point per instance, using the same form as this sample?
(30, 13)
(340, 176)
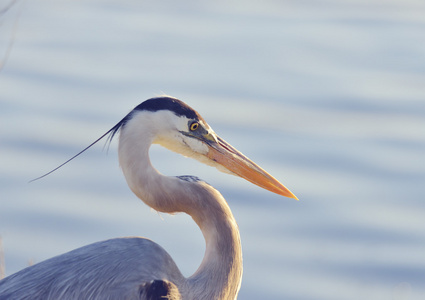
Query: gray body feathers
(73, 275)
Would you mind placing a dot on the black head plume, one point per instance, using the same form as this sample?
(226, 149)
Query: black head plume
(111, 131)
(154, 104)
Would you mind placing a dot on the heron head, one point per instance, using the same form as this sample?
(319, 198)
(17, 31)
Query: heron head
(175, 125)
(178, 127)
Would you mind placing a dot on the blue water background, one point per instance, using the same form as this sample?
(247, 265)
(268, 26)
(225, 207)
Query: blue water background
(328, 96)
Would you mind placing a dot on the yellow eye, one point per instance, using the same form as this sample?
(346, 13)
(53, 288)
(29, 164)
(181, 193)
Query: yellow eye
(194, 126)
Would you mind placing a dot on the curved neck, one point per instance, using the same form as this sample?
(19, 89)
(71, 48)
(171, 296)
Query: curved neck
(219, 275)
(221, 269)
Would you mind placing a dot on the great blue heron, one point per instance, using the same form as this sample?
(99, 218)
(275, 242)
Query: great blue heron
(138, 268)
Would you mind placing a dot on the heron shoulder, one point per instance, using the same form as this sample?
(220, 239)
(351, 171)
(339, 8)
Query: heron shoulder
(111, 269)
(159, 289)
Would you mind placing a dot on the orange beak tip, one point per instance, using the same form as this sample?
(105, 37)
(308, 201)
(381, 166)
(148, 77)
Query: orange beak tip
(290, 195)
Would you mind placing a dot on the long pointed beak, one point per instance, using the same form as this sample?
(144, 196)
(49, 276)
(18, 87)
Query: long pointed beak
(234, 161)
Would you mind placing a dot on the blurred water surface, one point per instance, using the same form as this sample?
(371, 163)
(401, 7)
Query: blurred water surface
(328, 96)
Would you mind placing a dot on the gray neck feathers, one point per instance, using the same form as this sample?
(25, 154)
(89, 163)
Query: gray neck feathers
(220, 272)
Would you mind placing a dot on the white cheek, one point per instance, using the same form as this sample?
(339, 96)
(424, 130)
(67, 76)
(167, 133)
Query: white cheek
(196, 145)
(188, 145)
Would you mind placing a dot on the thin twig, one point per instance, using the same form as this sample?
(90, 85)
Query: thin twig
(7, 7)
(12, 36)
